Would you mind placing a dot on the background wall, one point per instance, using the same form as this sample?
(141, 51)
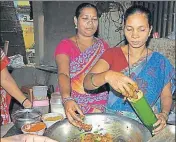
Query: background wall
(58, 24)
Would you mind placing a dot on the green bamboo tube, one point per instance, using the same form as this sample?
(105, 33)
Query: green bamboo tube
(143, 110)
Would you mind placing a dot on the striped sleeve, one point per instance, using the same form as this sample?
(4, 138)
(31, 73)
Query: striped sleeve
(4, 60)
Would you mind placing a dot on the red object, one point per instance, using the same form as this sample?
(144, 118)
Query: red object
(5, 97)
(156, 35)
(115, 58)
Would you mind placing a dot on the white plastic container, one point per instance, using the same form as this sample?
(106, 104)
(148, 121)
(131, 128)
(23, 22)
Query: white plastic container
(56, 104)
(39, 92)
(41, 105)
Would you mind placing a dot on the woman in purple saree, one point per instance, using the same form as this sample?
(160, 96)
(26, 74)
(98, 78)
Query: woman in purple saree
(75, 56)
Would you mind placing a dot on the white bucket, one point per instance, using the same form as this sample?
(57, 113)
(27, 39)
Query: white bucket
(39, 92)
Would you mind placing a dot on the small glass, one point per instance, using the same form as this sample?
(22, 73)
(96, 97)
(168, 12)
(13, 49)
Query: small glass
(144, 111)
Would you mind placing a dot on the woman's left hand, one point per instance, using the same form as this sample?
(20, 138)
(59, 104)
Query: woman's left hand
(160, 124)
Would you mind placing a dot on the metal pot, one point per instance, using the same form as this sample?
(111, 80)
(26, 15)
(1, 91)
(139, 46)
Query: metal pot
(25, 116)
(122, 129)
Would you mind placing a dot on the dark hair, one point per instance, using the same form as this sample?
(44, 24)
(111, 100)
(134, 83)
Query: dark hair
(82, 6)
(138, 9)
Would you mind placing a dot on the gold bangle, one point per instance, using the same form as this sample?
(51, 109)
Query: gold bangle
(92, 81)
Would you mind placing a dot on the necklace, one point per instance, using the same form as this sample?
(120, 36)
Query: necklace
(129, 70)
(76, 39)
(77, 43)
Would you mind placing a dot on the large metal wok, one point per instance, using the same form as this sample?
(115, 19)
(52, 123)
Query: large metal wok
(123, 129)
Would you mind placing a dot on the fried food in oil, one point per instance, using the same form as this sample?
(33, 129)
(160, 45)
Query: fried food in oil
(83, 126)
(90, 137)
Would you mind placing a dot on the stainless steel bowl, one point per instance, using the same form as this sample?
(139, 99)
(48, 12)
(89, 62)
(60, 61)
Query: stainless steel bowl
(25, 116)
(122, 129)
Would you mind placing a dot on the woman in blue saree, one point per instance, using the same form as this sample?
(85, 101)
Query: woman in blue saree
(150, 71)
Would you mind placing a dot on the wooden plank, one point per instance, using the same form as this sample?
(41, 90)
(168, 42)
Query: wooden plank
(160, 15)
(146, 4)
(174, 27)
(155, 17)
(165, 13)
(171, 3)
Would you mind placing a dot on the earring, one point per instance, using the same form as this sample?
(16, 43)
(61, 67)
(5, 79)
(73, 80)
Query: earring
(76, 27)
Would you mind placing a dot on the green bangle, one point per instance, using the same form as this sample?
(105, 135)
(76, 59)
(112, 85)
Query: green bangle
(92, 81)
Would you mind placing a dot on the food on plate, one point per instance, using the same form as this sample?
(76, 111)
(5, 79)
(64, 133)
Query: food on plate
(34, 127)
(83, 126)
(91, 137)
(53, 118)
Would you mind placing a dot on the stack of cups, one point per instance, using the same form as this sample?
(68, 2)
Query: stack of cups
(40, 101)
(56, 104)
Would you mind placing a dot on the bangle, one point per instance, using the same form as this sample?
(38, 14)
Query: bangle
(166, 114)
(64, 100)
(92, 81)
(23, 101)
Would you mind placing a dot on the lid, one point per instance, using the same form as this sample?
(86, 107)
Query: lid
(56, 95)
(26, 114)
(56, 100)
(40, 87)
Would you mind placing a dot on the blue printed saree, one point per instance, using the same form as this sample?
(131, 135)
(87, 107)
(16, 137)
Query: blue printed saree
(151, 76)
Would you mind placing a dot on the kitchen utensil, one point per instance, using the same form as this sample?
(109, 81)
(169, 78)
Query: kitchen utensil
(36, 128)
(122, 129)
(25, 116)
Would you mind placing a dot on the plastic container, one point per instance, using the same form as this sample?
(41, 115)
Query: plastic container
(144, 111)
(56, 104)
(39, 92)
(41, 105)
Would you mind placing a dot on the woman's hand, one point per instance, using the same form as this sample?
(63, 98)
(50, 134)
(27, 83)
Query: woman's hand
(160, 124)
(27, 104)
(120, 83)
(70, 110)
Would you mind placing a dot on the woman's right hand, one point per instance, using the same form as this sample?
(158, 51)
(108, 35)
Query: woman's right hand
(71, 107)
(120, 83)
